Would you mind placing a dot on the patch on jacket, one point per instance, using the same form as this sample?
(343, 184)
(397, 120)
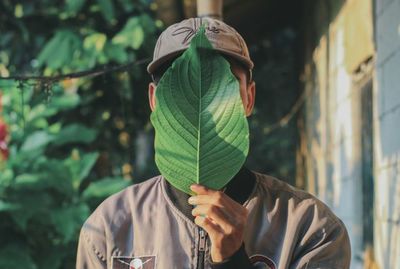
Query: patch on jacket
(262, 262)
(142, 262)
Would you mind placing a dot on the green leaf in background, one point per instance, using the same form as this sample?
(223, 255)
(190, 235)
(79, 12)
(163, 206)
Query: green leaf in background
(116, 52)
(75, 133)
(43, 196)
(64, 102)
(74, 6)
(59, 51)
(5, 206)
(31, 203)
(148, 24)
(58, 103)
(69, 219)
(202, 133)
(81, 166)
(36, 140)
(107, 9)
(16, 256)
(132, 35)
(105, 187)
(51, 174)
(94, 48)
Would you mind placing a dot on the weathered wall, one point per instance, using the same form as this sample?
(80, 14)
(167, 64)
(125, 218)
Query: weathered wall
(339, 54)
(387, 134)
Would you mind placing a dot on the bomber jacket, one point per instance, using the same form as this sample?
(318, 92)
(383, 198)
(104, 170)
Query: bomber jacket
(149, 225)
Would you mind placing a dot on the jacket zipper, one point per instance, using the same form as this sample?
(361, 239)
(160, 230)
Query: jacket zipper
(201, 249)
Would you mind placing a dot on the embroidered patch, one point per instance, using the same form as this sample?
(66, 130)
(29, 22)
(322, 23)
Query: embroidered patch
(142, 262)
(262, 262)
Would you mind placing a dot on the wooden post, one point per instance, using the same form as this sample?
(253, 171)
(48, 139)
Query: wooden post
(210, 8)
(168, 11)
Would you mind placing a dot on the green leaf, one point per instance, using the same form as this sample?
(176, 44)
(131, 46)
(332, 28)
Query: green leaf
(59, 51)
(16, 256)
(104, 188)
(52, 173)
(49, 50)
(67, 221)
(80, 168)
(74, 6)
(37, 140)
(6, 206)
(64, 102)
(132, 35)
(40, 111)
(107, 9)
(6, 177)
(128, 5)
(28, 179)
(95, 41)
(148, 23)
(31, 204)
(202, 133)
(116, 53)
(75, 133)
(56, 175)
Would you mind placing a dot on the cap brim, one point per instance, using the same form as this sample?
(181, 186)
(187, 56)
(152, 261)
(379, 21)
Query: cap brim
(245, 61)
(154, 65)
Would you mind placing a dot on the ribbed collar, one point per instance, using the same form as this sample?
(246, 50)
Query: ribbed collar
(239, 189)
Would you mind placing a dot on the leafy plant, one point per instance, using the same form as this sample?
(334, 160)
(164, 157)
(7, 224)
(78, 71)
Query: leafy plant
(46, 193)
(65, 147)
(58, 37)
(201, 129)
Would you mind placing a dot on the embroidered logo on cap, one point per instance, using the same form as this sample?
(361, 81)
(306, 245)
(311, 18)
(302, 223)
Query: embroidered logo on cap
(142, 262)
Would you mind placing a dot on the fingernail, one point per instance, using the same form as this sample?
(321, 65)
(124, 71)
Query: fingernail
(191, 200)
(193, 187)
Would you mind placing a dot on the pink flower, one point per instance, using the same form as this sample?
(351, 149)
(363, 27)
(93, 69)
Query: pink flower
(3, 135)
(3, 144)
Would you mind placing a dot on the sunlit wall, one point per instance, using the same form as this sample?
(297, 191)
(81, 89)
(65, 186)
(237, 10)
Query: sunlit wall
(335, 128)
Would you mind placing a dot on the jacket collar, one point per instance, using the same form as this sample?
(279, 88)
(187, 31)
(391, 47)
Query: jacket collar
(239, 189)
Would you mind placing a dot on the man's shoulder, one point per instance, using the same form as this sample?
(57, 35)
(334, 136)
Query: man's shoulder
(298, 204)
(118, 207)
(278, 188)
(115, 214)
(305, 222)
(134, 191)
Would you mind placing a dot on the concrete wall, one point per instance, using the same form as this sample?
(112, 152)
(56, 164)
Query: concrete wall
(387, 134)
(340, 55)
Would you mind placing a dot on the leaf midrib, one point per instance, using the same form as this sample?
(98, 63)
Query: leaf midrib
(199, 120)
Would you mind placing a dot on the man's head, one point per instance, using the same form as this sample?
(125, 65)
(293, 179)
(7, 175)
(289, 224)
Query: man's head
(176, 39)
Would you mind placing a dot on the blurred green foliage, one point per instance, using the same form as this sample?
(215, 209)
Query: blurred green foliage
(43, 196)
(70, 143)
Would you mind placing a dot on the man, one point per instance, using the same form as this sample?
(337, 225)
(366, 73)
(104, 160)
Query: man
(255, 221)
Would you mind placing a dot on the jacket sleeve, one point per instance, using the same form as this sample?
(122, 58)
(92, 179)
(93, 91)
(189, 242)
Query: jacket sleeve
(327, 249)
(239, 260)
(88, 255)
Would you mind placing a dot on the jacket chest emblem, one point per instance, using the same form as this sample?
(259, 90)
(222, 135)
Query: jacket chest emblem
(262, 262)
(142, 262)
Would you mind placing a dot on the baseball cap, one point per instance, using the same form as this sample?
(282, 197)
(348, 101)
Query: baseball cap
(176, 38)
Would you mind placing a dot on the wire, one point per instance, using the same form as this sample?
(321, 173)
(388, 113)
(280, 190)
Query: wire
(105, 70)
(85, 73)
